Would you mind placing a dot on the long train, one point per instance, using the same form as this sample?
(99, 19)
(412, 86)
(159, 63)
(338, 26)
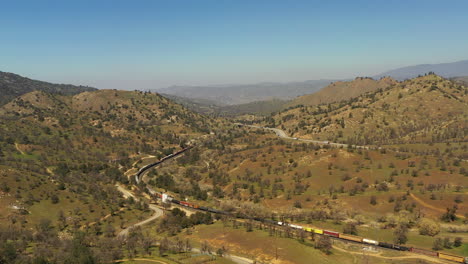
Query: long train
(166, 198)
(142, 170)
(324, 232)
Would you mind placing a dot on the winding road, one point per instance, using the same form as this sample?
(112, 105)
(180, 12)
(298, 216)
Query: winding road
(280, 133)
(157, 212)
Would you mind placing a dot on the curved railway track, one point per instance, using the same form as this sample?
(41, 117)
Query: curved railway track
(332, 234)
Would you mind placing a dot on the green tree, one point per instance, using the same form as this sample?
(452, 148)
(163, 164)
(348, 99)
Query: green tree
(400, 234)
(428, 227)
(438, 244)
(457, 242)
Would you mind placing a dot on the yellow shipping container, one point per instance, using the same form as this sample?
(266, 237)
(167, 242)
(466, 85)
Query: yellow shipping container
(451, 257)
(308, 229)
(318, 231)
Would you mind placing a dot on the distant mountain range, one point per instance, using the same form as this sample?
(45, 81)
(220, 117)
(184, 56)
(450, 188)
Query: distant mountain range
(13, 85)
(241, 94)
(447, 70)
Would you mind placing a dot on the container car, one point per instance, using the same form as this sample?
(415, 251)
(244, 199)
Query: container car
(451, 257)
(331, 233)
(184, 203)
(350, 237)
(318, 231)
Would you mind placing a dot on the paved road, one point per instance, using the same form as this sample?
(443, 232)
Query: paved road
(280, 133)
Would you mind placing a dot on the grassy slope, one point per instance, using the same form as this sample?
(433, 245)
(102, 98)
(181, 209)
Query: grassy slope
(339, 91)
(424, 109)
(90, 134)
(244, 166)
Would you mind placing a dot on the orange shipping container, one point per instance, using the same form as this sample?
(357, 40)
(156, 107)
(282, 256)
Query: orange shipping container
(352, 238)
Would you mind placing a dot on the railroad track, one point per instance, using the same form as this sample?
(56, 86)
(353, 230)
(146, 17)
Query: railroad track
(332, 234)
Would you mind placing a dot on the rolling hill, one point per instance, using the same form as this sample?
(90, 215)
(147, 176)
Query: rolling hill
(425, 109)
(13, 85)
(71, 150)
(241, 94)
(208, 107)
(341, 90)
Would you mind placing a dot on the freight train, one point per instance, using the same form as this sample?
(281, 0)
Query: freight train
(166, 198)
(324, 232)
(142, 170)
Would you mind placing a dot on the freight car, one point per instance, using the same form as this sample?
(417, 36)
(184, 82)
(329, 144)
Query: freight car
(331, 233)
(350, 237)
(452, 258)
(357, 239)
(203, 208)
(370, 241)
(318, 231)
(187, 204)
(385, 245)
(296, 226)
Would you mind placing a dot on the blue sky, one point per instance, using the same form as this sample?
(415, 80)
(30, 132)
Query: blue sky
(142, 44)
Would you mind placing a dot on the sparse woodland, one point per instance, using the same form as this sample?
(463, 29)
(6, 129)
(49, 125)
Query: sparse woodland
(62, 155)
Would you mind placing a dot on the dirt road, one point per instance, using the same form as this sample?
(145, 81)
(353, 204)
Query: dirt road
(280, 133)
(157, 211)
(424, 204)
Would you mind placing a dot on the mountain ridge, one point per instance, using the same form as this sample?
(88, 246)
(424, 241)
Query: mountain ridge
(425, 109)
(342, 90)
(246, 93)
(447, 70)
(13, 85)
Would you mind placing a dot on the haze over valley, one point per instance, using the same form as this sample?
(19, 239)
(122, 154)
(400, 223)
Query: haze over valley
(233, 132)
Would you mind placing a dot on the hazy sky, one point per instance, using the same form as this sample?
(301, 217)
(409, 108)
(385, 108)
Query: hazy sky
(137, 44)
